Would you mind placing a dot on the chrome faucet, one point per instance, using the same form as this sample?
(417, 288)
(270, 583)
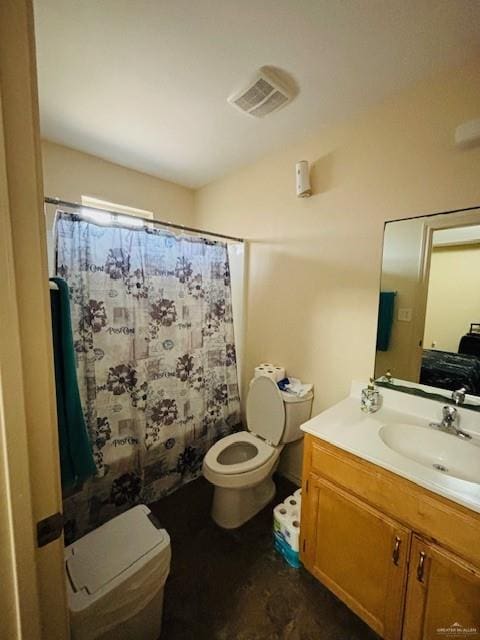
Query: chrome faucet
(449, 423)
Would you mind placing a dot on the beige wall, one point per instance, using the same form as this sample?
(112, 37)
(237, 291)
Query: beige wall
(69, 174)
(453, 295)
(314, 263)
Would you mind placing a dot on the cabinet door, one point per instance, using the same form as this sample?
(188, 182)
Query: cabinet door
(358, 553)
(443, 595)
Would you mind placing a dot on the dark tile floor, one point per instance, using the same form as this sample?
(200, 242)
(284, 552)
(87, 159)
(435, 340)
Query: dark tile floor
(232, 585)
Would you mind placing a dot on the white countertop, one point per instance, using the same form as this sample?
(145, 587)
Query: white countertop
(345, 426)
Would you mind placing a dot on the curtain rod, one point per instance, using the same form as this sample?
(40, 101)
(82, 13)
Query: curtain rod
(77, 205)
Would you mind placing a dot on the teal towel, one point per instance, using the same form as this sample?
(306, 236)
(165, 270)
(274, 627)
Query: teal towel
(76, 458)
(385, 319)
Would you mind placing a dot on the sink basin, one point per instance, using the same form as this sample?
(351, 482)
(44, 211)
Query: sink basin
(443, 452)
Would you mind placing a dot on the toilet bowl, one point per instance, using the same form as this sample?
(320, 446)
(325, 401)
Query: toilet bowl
(241, 465)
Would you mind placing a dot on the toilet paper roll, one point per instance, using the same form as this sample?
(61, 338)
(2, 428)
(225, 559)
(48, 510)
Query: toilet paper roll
(280, 517)
(292, 533)
(287, 509)
(293, 505)
(285, 513)
(279, 511)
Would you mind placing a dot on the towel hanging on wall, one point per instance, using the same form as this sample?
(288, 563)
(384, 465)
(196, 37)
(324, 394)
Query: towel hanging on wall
(76, 459)
(385, 319)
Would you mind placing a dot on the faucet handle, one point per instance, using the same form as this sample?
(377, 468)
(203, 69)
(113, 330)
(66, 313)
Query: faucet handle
(459, 396)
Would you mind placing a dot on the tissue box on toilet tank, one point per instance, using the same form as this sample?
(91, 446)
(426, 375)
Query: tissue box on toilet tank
(286, 528)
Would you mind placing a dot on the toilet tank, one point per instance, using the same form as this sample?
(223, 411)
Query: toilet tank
(297, 411)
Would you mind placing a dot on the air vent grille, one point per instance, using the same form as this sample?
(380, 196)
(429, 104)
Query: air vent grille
(274, 101)
(255, 95)
(262, 96)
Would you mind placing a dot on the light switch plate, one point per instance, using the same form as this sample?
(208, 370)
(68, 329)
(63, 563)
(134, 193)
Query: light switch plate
(405, 315)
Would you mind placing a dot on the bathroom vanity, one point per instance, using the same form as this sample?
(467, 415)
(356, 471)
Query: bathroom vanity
(391, 515)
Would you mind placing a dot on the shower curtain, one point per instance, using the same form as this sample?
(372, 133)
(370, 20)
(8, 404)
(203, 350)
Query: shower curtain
(154, 342)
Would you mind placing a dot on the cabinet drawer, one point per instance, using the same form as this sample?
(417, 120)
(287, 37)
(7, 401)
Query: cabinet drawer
(436, 518)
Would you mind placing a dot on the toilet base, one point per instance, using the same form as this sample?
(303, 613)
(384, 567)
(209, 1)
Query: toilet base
(233, 507)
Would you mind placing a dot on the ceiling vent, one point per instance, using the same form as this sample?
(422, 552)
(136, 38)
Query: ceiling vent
(263, 95)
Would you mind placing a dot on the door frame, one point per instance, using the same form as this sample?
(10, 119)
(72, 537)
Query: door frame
(20, 587)
(29, 459)
(432, 224)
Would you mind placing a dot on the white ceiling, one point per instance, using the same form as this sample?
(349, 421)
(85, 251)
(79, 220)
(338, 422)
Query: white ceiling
(144, 82)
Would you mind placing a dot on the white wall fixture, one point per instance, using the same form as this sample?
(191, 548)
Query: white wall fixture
(468, 134)
(263, 94)
(302, 174)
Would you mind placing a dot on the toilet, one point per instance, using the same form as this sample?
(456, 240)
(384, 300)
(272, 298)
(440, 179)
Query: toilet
(241, 465)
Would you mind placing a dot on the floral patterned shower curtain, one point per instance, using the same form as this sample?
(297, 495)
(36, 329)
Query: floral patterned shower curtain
(153, 332)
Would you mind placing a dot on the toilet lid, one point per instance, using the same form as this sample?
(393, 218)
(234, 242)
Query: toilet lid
(103, 554)
(265, 410)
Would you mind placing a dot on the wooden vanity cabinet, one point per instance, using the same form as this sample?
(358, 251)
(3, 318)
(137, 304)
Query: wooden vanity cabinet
(375, 540)
(443, 591)
(359, 554)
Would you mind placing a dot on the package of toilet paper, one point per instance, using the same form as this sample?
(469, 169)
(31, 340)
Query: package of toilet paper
(286, 528)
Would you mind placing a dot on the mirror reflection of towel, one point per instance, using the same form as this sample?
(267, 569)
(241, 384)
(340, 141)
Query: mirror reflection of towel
(385, 319)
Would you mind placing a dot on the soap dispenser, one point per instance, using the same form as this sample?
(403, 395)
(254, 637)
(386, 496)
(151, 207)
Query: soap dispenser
(370, 400)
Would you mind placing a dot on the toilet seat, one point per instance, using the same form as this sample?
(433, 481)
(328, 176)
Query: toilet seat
(264, 453)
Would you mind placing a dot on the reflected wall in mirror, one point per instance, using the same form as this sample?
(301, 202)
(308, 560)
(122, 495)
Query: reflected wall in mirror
(429, 312)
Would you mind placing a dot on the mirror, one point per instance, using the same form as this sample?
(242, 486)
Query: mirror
(428, 331)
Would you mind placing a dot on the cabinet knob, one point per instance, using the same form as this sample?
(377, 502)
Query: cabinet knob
(421, 566)
(396, 550)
